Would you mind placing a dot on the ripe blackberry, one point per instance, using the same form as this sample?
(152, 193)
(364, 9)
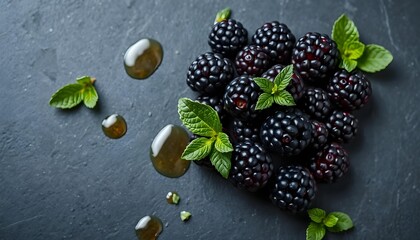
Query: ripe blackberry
(228, 37)
(245, 131)
(316, 103)
(286, 132)
(319, 135)
(210, 73)
(315, 57)
(342, 126)
(216, 102)
(349, 91)
(252, 60)
(294, 189)
(241, 96)
(329, 164)
(251, 166)
(277, 39)
(295, 86)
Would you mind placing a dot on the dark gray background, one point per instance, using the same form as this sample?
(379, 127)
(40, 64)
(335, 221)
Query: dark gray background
(61, 178)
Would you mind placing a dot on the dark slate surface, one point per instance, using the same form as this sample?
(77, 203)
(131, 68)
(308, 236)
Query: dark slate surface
(61, 178)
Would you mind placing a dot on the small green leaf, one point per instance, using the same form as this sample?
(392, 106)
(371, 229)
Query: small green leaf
(317, 214)
(344, 222)
(185, 216)
(199, 118)
(85, 80)
(284, 98)
(222, 143)
(90, 96)
(353, 50)
(330, 220)
(221, 161)
(315, 231)
(265, 84)
(282, 79)
(375, 58)
(67, 96)
(198, 149)
(344, 30)
(222, 15)
(265, 100)
(175, 198)
(348, 64)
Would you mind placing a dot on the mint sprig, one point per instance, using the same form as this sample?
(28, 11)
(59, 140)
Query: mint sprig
(369, 58)
(203, 121)
(275, 92)
(72, 94)
(222, 15)
(321, 221)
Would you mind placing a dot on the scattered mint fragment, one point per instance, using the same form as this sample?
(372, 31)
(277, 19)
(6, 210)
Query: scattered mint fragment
(375, 58)
(222, 15)
(175, 198)
(333, 222)
(72, 94)
(315, 231)
(185, 216)
(317, 215)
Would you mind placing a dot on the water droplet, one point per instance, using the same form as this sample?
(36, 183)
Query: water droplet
(148, 228)
(114, 126)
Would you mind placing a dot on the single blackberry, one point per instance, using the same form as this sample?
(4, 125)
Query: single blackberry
(315, 57)
(316, 103)
(277, 39)
(210, 73)
(286, 132)
(251, 166)
(295, 86)
(349, 91)
(294, 189)
(216, 102)
(330, 163)
(342, 126)
(228, 37)
(319, 135)
(241, 96)
(252, 60)
(245, 131)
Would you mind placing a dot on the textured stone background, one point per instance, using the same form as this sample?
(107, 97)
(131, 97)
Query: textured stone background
(61, 178)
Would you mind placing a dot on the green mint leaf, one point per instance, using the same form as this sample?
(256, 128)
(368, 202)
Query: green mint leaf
(282, 80)
(175, 198)
(198, 149)
(344, 30)
(316, 214)
(265, 84)
(90, 96)
(375, 58)
(221, 161)
(315, 231)
(348, 64)
(265, 100)
(185, 216)
(67, 96)
(284, 98)
(222, 15)
(353, 50)
(199, 118)
(330, 220)
(222, 143)
(344, 222)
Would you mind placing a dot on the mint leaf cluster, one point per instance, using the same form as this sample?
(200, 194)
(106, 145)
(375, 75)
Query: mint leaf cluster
(203, 121)
(369, 58)
(321, 222)
(275, 92)
(72, 94)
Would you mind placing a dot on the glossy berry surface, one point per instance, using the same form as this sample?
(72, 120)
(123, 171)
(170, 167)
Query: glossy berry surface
(228, 37)
(319, 135)
(245, 131)
(316, 103)
(252, 60)
(342, 126)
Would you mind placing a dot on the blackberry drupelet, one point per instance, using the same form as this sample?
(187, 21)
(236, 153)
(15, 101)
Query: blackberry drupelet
(252, 60)
(295, 86)
(294, 189)
(319, 136)
(277, 39)
(329, 164)
(251, 166)
(216, 102)
(241, 96)
(210, 73)
(315, 57)
(286, 132)
(349, 91)
(342, 126)
(245, 131)
(316, 103)
(228, 37)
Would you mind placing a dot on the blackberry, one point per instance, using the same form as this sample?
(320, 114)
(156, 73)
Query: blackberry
(295, 86)
(294, 189)
(252, 60)
(216, 102)
(342, 126)
(277, 39)
(319, 135)
(329, 164)
(245, 131)
(241, 96)
(315, 57)
(251, 166)
(316, 103)
(286, 132)
(228, 37)
(209, 73)
(349, 91)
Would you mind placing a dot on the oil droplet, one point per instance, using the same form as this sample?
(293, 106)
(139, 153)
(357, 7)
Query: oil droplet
(143, 58)
(149, 228)
(172, 197)
(114, 126)
(166, 150)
